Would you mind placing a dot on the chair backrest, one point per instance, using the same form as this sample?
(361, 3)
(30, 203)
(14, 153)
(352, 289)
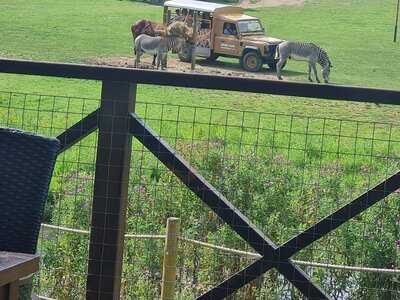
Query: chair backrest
(26, 166)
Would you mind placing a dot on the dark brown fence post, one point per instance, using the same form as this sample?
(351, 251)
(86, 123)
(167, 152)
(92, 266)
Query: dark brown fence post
(110, 191)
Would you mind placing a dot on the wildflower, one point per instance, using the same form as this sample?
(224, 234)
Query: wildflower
(279, 159)
(398, 244)
(141, 189)
(268, 184)
(365, 169)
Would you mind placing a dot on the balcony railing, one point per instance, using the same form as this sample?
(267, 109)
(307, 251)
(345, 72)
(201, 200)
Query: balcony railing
(287, 187)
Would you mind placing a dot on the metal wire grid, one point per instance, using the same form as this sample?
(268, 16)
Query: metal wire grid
(284, 172)
(62, 273)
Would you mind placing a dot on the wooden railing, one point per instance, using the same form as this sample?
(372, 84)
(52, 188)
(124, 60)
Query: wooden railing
(117, 123)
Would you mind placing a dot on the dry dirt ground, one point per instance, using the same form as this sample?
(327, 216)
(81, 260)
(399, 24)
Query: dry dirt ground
(175, 65)
(203, 66)
(269, 3)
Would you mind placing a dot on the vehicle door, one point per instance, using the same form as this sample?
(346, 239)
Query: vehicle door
(227, 42)
(203, 35)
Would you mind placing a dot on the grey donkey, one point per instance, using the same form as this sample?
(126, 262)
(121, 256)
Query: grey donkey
(304, 51)
(158, 46)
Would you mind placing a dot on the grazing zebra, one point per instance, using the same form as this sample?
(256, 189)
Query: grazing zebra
(158, 46)
(304, 51)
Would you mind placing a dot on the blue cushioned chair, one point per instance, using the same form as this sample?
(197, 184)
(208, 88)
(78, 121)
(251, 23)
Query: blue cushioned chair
(26, 166)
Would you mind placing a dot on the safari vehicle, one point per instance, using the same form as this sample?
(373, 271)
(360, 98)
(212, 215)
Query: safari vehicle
(223, 30)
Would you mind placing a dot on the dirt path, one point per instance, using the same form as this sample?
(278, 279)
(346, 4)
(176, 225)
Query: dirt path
(269, 3)
(202, 66)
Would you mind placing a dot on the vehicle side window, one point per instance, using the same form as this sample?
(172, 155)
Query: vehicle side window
(229, 29)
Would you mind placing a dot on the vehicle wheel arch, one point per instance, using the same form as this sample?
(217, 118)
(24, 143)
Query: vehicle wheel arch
(251, 48)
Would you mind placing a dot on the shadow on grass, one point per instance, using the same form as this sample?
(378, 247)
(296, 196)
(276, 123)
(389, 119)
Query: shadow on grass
(234, 66)
(161, 2)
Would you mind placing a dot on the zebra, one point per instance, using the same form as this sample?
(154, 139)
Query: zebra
(304, 51)
(158, 46)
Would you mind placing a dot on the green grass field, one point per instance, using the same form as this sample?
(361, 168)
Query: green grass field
(284, 172)
(356, 34)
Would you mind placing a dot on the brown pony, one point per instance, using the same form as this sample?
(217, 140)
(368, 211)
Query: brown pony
(142, 26)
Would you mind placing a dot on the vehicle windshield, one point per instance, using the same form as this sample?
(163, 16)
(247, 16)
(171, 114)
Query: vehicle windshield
(250, 26)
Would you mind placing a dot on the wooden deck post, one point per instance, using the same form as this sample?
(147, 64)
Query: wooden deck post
(169, 264)
(110, 191)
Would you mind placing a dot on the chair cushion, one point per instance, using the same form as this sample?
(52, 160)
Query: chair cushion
(26, 166)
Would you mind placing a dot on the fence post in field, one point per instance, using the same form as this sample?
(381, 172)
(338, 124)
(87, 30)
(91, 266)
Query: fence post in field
(169, 264)
(194, 37)
(397, 21)
(110, 191)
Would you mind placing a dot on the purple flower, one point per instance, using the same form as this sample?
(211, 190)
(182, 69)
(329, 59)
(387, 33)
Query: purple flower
(280, 159)
(141, 189)
(398, 244)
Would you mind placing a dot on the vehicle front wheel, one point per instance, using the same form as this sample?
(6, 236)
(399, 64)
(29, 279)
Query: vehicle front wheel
(272, 65)
(251, 61)
(185, 54)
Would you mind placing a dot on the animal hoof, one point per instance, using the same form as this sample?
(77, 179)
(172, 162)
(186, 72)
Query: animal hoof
(326, 81)
(280, 78)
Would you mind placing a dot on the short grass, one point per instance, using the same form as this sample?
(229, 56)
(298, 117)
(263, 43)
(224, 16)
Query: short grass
(74, 31)
(357, 35)
(350, 156)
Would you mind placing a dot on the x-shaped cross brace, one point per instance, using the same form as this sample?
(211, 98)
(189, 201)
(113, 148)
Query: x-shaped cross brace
(273, 256)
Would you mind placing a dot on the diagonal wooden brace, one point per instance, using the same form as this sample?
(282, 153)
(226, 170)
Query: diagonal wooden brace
(226, 211)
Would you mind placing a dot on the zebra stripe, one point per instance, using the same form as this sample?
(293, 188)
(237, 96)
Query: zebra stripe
(304, 51)
(172, 43)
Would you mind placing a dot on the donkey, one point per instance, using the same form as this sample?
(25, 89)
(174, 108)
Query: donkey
(150, 28)
(158, 46)
(143, 27)
(304, 51)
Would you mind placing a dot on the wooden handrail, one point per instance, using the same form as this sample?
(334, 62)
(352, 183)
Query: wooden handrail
(215, 82)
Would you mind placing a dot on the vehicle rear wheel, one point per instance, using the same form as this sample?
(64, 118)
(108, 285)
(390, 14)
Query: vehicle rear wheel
(213, 57)
(185, 54)
(251, 62)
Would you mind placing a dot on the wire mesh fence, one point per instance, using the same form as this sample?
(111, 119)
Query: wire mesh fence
(284, 172)
(63, 268)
